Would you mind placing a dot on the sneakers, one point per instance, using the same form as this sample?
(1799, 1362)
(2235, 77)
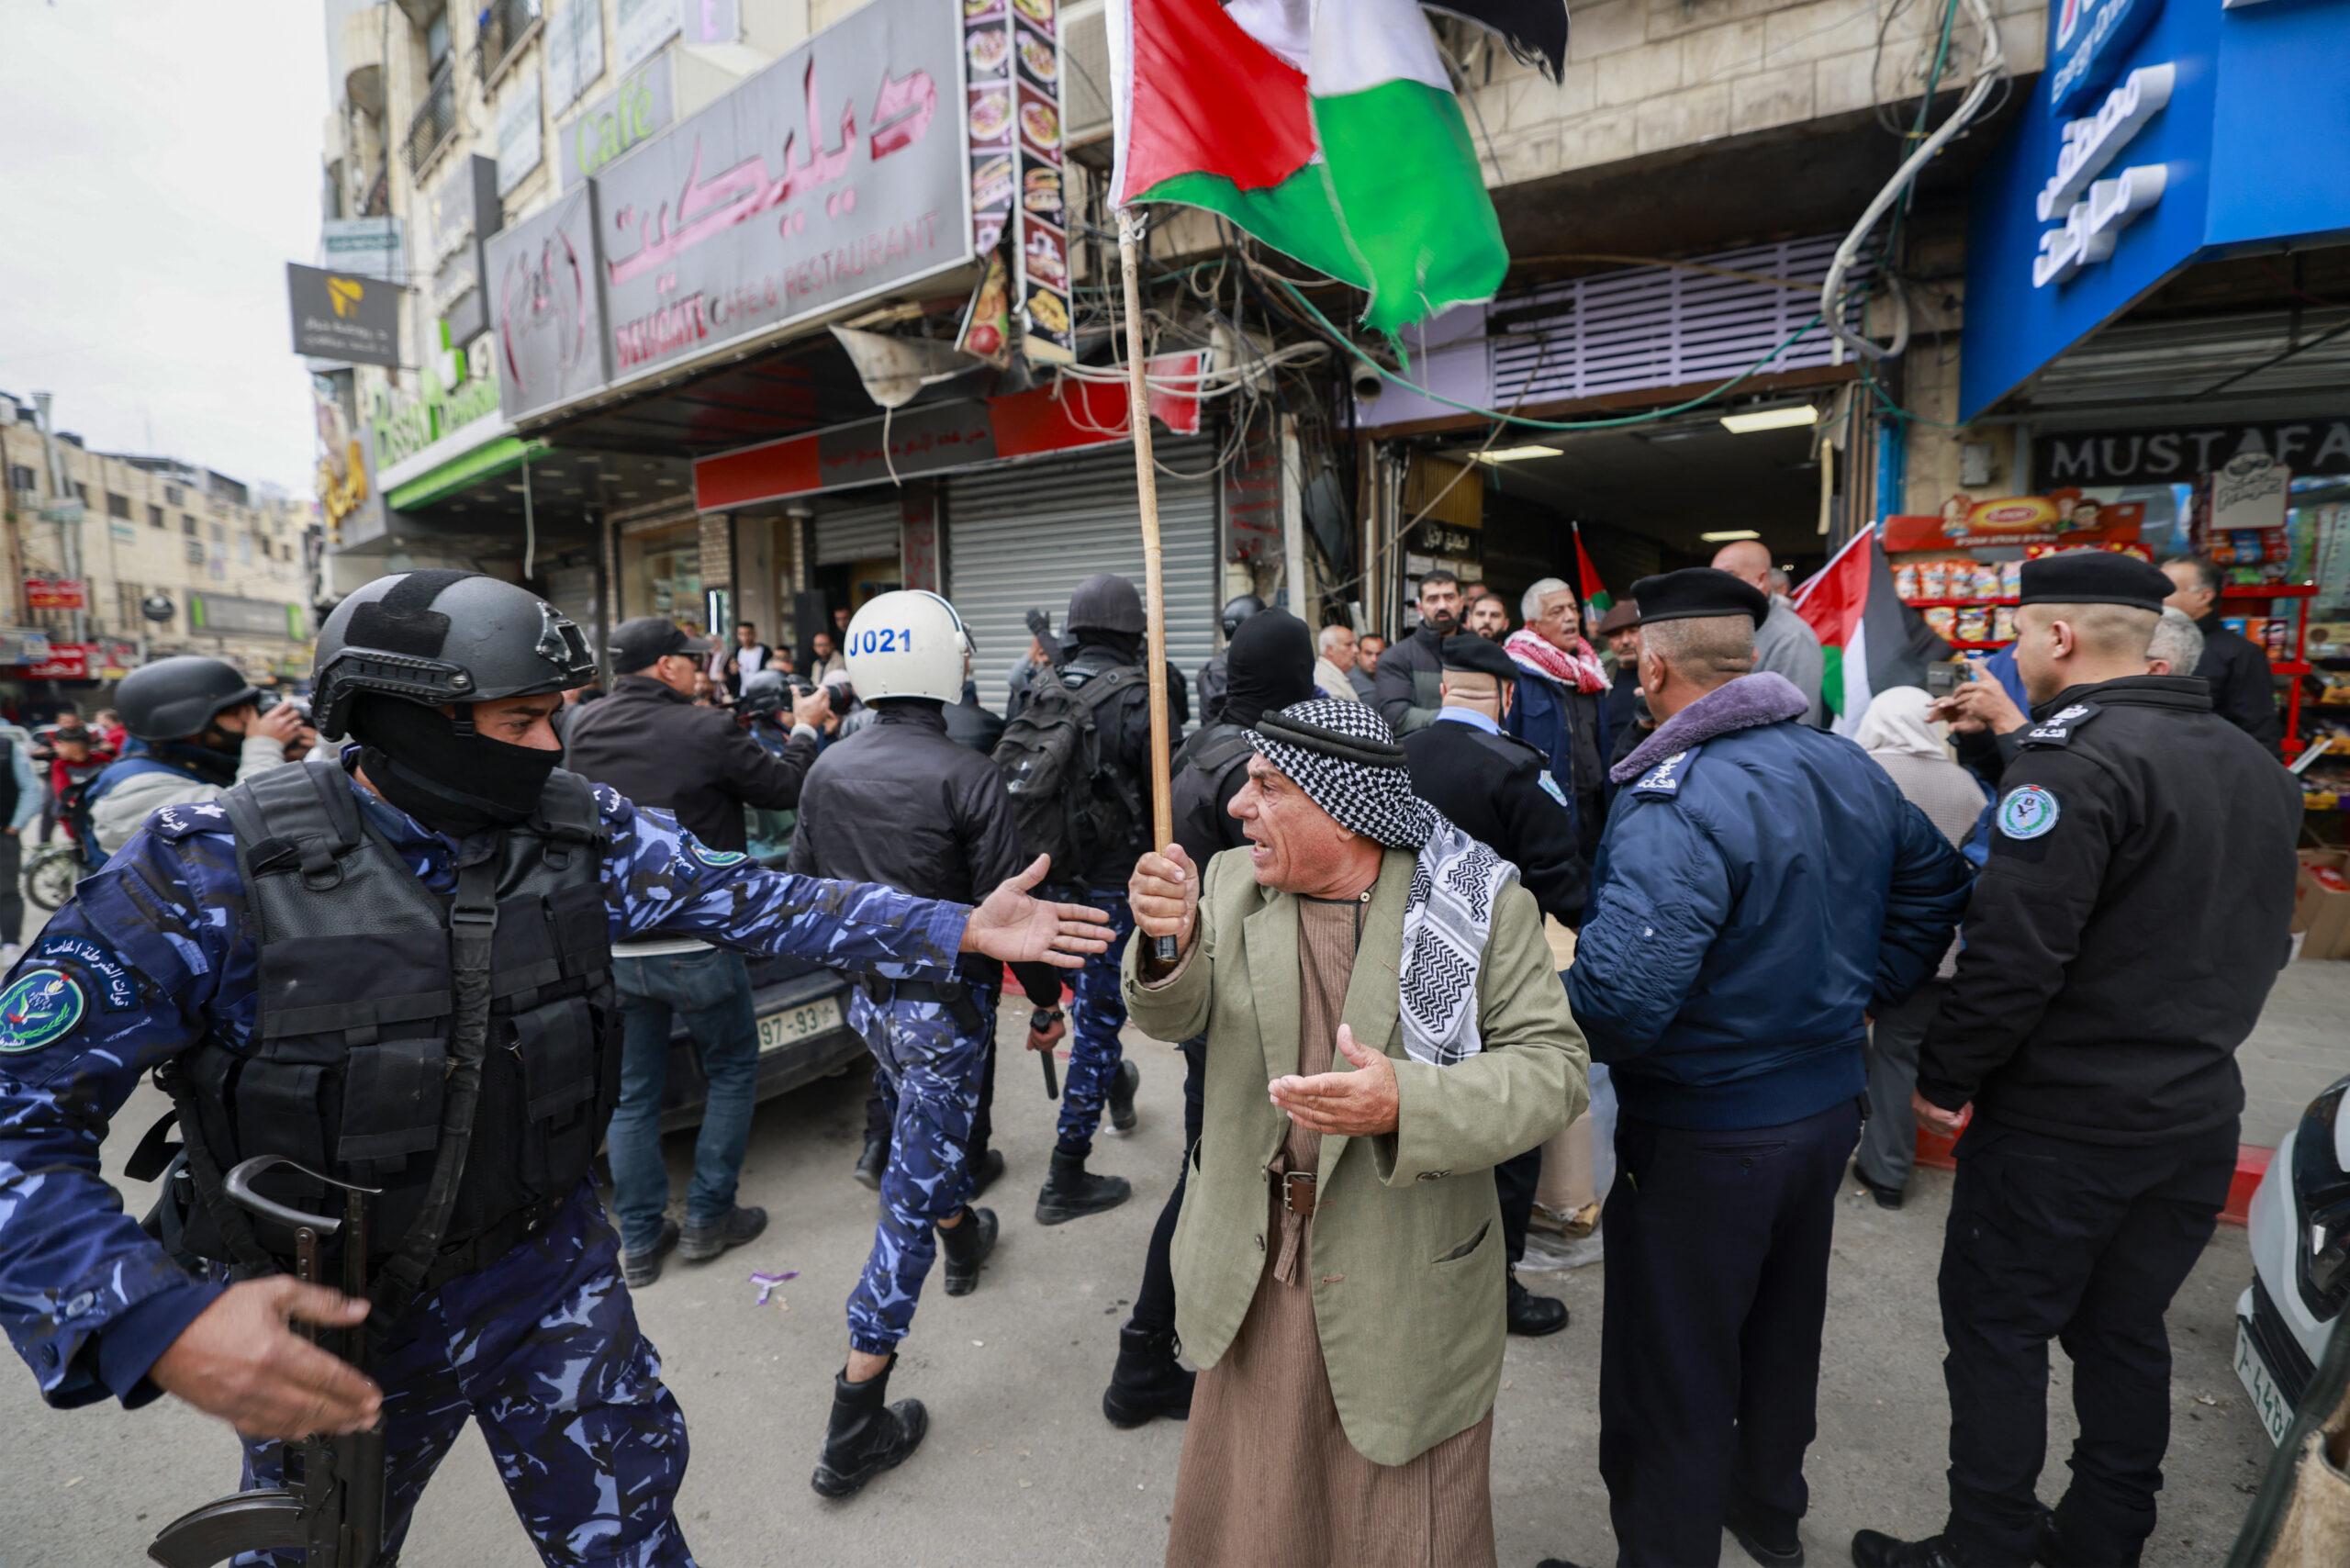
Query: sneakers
(706, 1239)
(866, 1435)
(1071, 1193)
(1123, 1084)
(871, 1163)
(966, 1246)
(641, 1268)
(1773, 1544)
(1148, 1380)
(1534, 1315)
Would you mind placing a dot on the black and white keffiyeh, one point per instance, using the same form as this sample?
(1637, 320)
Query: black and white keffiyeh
(1346, 759)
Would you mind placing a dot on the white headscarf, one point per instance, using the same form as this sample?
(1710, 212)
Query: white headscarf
(1897, 721)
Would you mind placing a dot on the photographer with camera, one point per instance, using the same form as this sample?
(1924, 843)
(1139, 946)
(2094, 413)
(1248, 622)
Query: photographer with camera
(202, 727)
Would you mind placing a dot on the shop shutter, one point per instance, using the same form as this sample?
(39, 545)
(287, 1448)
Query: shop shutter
(572, 590)
(1026, 535)
(866, 531)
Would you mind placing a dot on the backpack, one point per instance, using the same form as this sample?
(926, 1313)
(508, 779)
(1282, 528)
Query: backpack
(1070, 801)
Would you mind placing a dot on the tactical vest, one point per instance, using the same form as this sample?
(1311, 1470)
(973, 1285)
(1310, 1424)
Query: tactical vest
(360, 972)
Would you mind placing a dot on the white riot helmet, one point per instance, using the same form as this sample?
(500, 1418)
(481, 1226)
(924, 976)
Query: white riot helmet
(908, 643)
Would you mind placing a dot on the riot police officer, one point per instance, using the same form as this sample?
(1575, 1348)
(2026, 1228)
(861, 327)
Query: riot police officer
(902, 803)
(1272, 665)
(203, 730)
(1215, 674)
(396, 974)
(2128, 923)
(1496, 789)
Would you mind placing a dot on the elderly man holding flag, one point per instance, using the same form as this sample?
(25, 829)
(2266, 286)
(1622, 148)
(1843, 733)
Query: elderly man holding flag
(1383, 1027)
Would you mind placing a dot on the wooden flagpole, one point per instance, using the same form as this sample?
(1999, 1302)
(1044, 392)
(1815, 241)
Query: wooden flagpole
(1154, 593)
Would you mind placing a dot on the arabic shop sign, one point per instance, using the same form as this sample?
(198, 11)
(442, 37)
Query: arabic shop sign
(2095, 211)
(829, 176)
(342, 317)
(369, 245)
(520, 144)
(642, 106)
(546, 313)
(2087, 39)
(455, 388)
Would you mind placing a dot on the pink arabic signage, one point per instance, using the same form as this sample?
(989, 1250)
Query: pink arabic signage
(836, 174)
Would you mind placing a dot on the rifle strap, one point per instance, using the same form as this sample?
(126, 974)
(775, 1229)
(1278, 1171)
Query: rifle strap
(473, 922)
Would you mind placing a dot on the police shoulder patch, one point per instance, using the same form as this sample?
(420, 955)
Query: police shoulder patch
(2059, 727)
(1550, 787)
(716, 857)
(1665, 778)
(118, 988)
(38, 1007)
(2029, 810)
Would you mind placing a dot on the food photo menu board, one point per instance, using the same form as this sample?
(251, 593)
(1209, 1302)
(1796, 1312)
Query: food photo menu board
(1012, 53)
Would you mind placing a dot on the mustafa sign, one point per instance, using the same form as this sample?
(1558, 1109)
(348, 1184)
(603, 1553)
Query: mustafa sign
(545, 312)
(834, 174)
(2187, 454)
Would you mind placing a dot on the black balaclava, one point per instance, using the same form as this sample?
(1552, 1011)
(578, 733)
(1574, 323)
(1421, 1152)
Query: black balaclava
(1125, 646)
(452, 783)
(1270, 661)
(212, 756)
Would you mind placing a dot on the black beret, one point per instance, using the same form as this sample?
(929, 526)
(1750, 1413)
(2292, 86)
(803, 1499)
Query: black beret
(2096, 576)
(1696, 592)
(1475, 653)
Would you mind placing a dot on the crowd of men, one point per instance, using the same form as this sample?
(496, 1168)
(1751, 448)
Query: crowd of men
(438, 956)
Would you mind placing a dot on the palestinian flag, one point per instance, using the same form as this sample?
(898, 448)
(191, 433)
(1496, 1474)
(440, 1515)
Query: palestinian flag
(1595, 592)
(1325, 128)
(1850, 604)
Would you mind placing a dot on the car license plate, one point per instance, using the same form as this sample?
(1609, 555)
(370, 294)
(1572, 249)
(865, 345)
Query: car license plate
(777, 1030)
(2266, 1401)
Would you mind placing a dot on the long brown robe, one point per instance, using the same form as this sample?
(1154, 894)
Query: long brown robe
(1267, 1478)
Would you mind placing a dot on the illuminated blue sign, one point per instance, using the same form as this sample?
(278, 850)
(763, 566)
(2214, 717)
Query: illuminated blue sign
(2087, 39)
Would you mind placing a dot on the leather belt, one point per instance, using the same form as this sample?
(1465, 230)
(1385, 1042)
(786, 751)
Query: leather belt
(1298, 1189)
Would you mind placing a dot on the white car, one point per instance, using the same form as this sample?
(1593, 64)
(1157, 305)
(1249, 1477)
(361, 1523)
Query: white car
(2300, 1260)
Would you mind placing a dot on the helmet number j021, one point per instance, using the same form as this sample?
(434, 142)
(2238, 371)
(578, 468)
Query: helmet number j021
(883, 640)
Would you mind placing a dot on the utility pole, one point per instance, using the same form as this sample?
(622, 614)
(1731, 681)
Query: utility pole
(65, 507)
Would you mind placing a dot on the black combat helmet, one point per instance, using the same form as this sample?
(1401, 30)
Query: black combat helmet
(1237, 610)
(441, 636)
(175, 697)
(1105, 603)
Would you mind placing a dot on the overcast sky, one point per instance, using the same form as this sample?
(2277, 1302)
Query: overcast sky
(158, 166)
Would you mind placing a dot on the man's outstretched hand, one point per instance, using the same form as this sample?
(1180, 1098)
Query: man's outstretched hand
(1021, 930)
(1355, 1105)
(241, 1362)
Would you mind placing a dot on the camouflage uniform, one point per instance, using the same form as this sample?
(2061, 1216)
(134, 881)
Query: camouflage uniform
(926, 1067)
(1096, 1015)
(157, 951)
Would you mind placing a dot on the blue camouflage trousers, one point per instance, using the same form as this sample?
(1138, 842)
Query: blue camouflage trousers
(1096, 1015)
(927, 1070)
(542, 1348)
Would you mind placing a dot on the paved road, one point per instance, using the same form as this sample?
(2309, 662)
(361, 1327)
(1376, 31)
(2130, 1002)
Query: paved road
(1021, 1468)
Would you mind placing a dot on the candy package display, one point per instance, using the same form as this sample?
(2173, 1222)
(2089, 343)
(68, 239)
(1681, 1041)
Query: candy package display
(1934, 580)
(2251, 546)
(1975, 624)
(1986, 580)
(1942, 622)
(1905, 584)
(2003, 623)
(2276, 637)
(2010, 579)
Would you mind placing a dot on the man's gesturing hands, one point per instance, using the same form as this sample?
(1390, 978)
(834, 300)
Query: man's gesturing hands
(240, 1361)
(1353, 1104)
(1021, 930)
(1164, 894)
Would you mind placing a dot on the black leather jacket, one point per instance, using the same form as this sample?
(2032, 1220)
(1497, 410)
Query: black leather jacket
(651, 743)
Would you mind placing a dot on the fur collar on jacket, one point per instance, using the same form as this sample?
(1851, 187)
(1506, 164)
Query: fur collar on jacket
(1745, 703)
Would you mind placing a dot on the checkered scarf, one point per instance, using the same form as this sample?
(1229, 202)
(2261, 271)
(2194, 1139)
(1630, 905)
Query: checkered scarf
(1346, 759)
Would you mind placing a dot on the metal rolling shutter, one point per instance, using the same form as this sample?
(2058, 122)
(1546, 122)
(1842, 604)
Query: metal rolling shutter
(865, 531)
(572, 590)
(1026, 535)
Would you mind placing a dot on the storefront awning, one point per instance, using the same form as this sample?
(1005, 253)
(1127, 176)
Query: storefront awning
(485, 461)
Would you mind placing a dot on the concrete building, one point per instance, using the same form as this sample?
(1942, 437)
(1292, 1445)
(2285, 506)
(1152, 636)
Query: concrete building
(121, 558)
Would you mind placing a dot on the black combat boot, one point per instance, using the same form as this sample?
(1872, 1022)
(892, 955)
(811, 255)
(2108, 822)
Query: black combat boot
(1070, 1193)
(871, 1163)
(985, 1169)
(1123, 1084)
(867, 1435)
(1148, 1380)
(967, 1245)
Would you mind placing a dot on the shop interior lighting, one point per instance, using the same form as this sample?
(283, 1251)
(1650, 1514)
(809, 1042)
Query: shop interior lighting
(1518, 454)
(1769, 420)
(1725, 535)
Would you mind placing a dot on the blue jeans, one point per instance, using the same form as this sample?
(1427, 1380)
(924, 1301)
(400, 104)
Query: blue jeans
(713, 990)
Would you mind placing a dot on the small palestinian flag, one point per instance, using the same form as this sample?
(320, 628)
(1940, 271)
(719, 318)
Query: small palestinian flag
(1595, 592)
(1327, 130)
(1850, 604)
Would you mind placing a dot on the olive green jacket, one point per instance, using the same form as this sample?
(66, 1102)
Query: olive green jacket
(1408, 1272)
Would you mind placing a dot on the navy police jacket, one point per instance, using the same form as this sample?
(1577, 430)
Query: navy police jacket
(1760, 887)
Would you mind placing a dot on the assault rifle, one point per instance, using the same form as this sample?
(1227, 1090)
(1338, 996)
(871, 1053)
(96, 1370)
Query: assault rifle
(333, 1509)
